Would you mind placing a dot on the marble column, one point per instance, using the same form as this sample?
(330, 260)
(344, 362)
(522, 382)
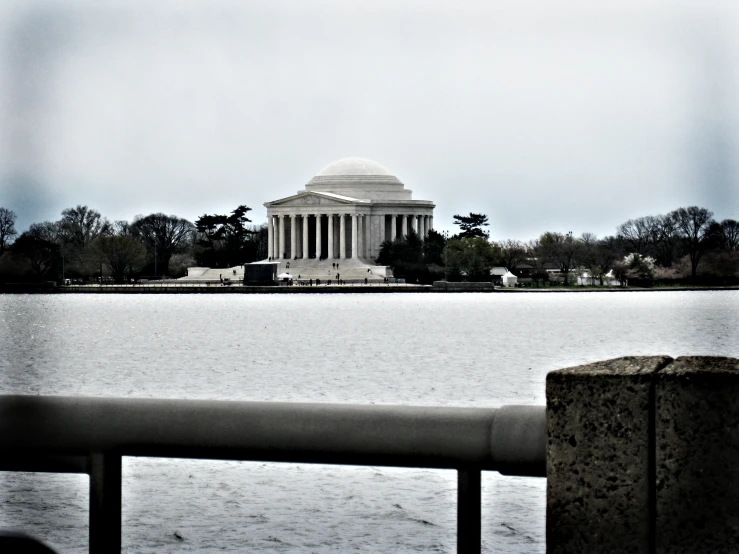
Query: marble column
(276, 254)
(342, 237)
(293, 236)
(355, 237)
(330, 253)
(270, 236)
(361, 241)
(282, 254)
(421, 227)
(318, 236)
(306, 246)
(382, 234)
(404, 226)
(393, 227)
(431, 222)
(297, 249)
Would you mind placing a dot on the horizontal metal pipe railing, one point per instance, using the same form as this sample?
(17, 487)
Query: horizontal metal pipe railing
(402, 436)
(90, 435)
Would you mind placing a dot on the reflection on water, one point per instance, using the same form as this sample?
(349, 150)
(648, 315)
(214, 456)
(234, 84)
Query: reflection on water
(462, 349)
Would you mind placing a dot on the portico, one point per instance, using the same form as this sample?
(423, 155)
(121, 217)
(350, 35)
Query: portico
(345, 212)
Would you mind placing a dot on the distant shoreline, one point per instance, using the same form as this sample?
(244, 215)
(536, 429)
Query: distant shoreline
(613, 289)
(316, 289)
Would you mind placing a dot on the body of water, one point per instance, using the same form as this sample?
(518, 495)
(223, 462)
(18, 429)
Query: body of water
(483, 350)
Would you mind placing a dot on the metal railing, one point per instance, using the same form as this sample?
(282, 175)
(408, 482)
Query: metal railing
(91, 435)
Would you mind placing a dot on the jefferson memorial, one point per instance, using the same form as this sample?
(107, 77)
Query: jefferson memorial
(345, 212)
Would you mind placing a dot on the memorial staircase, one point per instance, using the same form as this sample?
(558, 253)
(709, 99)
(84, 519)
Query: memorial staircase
(349, 270)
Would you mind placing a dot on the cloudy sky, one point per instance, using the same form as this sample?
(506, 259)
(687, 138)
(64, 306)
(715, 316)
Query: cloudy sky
(567, 116)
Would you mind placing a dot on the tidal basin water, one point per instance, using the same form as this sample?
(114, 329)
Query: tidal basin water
(482, 350)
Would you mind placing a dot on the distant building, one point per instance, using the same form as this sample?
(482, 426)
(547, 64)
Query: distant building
(346, 211)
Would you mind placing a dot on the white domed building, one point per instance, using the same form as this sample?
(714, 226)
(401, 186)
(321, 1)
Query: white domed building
(345, 213)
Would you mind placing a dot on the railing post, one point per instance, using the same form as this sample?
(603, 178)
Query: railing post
(105, 503)
(469, 536)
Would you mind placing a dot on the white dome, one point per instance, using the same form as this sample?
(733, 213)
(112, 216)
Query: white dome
(353, 166)
(358, 178)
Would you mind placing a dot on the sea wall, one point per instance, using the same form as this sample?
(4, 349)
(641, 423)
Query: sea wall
(463, 286)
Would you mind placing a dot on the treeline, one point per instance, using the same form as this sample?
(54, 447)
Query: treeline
(684, 246)
(85, 246)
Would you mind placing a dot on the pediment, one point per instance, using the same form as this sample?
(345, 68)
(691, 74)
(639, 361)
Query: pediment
(315, 199)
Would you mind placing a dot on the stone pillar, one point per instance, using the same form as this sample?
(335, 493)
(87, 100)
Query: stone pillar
(277, 250)
(697, 455)
(282, 252)
(393, 227)
(364, 224)
(270, 236)
(355, 219)
(297, 248)
(365, 230)
(330, 252)
(404, 226)
(318, 236)
(431, 222)
(414, 223)
(382, 234)
(306, 246)
(293, 236)
(600, 464)
(342, 237)
(424, 229)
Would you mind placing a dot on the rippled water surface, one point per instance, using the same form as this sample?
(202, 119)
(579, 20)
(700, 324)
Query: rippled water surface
(427, 349)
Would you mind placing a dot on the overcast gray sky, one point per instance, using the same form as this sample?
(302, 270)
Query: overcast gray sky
(567, 116)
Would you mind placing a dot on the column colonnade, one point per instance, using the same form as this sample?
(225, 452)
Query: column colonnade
(368, 232)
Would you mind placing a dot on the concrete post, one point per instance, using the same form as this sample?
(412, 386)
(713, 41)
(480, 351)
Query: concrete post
(318, 236)
(393, 227)
(697, 455)
(330, 236)
(342, 237)
(600, 456)
(282, 237)
(270, 236)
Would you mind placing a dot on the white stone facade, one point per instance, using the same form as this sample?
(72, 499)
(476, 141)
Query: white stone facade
(345, 212)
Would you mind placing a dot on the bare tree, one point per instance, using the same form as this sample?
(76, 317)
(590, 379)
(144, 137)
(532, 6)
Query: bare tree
(163, 235)
(561, 249)
(511, 252)
(38, 248)
(693, 224)
(78, 228)
(81, 225)
(664, 238)
(730, 234)
(120, 254)
(636, 234)
(7, 228)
